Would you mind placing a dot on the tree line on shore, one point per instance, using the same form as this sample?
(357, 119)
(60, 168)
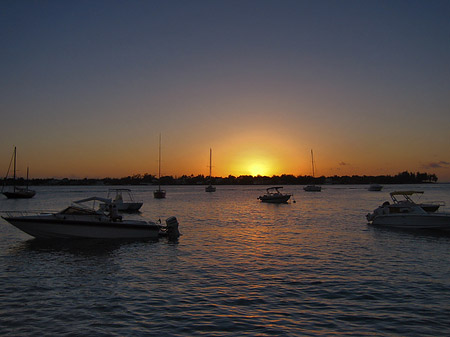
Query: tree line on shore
(285, 179)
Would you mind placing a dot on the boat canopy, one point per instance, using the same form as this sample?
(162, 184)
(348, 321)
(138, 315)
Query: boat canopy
(106, 201)
(75, 210)
(406, 192)
(274, 188)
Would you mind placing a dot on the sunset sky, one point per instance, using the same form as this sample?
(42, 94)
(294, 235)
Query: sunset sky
(86, 87)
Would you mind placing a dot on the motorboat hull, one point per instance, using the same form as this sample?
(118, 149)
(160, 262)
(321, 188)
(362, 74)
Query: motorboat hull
(275, 199)
(25, 194)
(50, 226)
(414, 221)
(159, 194)
(129, 206)
(375, 188)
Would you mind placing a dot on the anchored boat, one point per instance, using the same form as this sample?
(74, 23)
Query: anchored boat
(17, 192)
(210, 187)
(312, 188)
(81, 222)
(159, 193)
(409, 214)
(273, 195)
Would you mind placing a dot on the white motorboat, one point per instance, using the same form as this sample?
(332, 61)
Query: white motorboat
(123, 199)
(273, 195)
(375, 187)
(408, 215)
(81, 222)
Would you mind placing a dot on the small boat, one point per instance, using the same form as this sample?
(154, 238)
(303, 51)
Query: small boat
(312, 188)
(273, 195)
(408, 215)
(17, 192)
(375, 187)
(81, 222)
(159, 193)
(123, 199)
(210, 187)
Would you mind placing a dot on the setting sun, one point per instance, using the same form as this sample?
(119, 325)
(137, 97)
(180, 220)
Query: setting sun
(259, 169)
(253, 161)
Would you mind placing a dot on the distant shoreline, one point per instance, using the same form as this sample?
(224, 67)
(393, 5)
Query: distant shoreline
(147, 179)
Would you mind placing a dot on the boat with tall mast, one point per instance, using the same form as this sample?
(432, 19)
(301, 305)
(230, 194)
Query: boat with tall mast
(312, 188)
(159, 193)
(210, 187)
(17, 192)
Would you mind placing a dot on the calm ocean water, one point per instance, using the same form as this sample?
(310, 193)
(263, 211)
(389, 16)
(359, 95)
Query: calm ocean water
(241, 268)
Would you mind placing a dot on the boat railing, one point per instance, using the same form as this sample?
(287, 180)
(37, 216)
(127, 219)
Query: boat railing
(13, 214)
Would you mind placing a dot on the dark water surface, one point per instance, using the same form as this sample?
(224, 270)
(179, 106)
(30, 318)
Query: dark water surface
(241, 268)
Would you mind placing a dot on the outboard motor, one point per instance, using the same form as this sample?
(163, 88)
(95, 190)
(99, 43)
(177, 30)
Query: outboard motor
(172, 228)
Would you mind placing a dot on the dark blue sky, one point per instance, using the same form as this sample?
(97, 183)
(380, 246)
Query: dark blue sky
(308, 68)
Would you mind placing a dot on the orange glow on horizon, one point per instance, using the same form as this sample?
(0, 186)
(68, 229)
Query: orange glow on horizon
(237, 154)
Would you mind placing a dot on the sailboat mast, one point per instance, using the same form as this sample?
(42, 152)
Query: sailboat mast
(312, 162)
(159, 161)
(14, 179)
(210, 166)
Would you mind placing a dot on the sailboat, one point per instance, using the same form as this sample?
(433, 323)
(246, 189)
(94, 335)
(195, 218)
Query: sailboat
(159, 193)
(210, 187)
(312, 188)
(17, 192)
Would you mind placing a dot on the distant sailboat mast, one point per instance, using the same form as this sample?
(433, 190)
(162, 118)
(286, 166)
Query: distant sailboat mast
(210, 187)
(159, 193)
(28, 169)
(159, 163)
(312, 188)
(14, 181)
(210, 161)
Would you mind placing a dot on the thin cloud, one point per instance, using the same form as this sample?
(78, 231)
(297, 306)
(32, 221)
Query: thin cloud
(343, 163)
(440, 164)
